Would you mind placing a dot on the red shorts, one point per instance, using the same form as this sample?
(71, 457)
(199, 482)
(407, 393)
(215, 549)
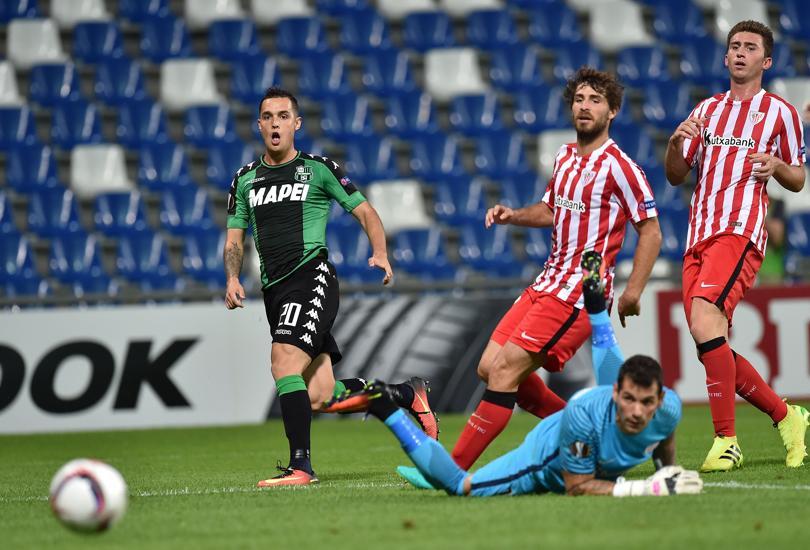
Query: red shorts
(542, 323)
(720, 270)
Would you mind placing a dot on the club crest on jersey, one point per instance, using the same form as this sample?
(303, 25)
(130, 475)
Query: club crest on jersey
(303, 173)
(568, 204)
(587, 177)
(756, 117)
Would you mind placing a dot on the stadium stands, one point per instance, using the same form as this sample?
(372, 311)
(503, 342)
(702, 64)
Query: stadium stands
(9, 91)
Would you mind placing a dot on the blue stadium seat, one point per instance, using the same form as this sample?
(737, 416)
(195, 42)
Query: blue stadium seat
(794, 19)
(475, 115)
(138, 11)
(232, 39)
(28, 286)
(667, 197)
(624, 117)
(436, 156)
(522, 191)
(251, 76)
(349, 251)
(53, 212)
(628, 249)
(538, 244)
(459, 201)
(640, 65)
(371, 158)
(411, 115)
(75, 123)
(515, 68)
(17, 127)
(185, 210)
(76, 258)
(54, 83)
(782, 65)
(163, 166)
(679, 22)
(797, 251)
(541, 109)
(422, 253)
(12, 9)
(7, 224)
(144, 258)
(346, 116)
(554, 25)
(427, 30)
(323, 75)
(301, 36)
(638, 143)
(31, 168)
(489, 251)
(165, 38)
(388, 72)
(141, 122)
(101, 284)
(209, 124)
(487, 29)
(342, 7)
(16, 255)
(570, 58)
(702, 60)
(119, 81)
(95, 41)
(674, 224)
(501, 154)
(202, 256)
(117, 214)
(667, 104)
(224, 159)
(363, 32)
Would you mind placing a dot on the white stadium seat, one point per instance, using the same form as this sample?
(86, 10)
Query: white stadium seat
(617, 24)
(708, 4)
(200, 14)
(9, 92)
(548, 143)
(399, 203)
(453, 71)
(462, 8)
(731, 12)
(270, 12)
(69, 12)
(583, 5)
(33, 41)
(397, 9)
(795, 91)
(98, 168)
(187, 82)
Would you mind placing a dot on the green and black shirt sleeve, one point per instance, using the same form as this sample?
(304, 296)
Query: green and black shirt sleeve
(337, 184)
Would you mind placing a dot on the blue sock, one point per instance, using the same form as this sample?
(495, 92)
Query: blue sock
(607, 355)
(427, 454)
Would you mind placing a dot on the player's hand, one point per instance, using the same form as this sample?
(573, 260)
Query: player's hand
(234, 294)
(671, 480)
(688, 129)
(629, 306)
(768, 164)
(498, 214)
(382, 263)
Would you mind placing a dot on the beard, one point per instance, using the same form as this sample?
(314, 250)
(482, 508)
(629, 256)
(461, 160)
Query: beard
(588, 136)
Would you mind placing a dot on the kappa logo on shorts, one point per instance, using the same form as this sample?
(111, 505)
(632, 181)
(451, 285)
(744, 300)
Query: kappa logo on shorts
(310, 326)
(321, 279)
(317, 303)
(322, 267)
(306, 338)
(319, 291)
(314, 314)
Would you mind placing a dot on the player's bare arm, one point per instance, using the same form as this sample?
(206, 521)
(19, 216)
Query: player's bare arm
(766, 166)
(372, 225)
(647, 249)
(232, 257)
(664, 454)
(586, 484)
(675, 165)
(535, 215)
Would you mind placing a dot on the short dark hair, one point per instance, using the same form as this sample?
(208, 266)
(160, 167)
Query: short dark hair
(279, 92)
(601, 81)
(643, 370)
(757, 28)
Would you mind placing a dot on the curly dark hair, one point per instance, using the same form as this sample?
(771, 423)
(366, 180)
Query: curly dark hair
(754, 27)
(643, 370)
(601, 81)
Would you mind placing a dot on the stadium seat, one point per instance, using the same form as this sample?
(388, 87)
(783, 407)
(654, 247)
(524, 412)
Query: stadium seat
(74, 123)
(491, 28)
(7, 224)
(459, 201)
(28, 286)
(673, 225)
(199, 14)
(138, 11)
(570, 58)
(729, 13)
(224, 159)
(269, 13)
(186, 83)
(554, 25)
(370, 158)
(16, 255)
(797, 251)
(349, 251)
(163, 166)
(629, 244)
(537, 245)
(548, 143)
(17, 127)
(463, 8)
(98, 169)
(795, 91)
(435, 157)
(208, 124)
(427, 30)
(453, 71)
(33, 41)
(679, 22)
(233, 39)
(641, 65)
(75, 257)
(323, 75)
(343, 7)
(141, 122)
(388, 72)
(541, 109)
(637, 142)
(55, 83)
(423, 254)
(67, 13)
(702, 60)
(202, 256)
(120, 213)
(53, 212)
(101, 284)
(119, 81)
(9, 91)
(31, 168)
(165, 38)
(343, 117)
(782, 65)
(489, 251)
(399, 9)
(617, 24)
(301, 37)
(521, 191)
(251, 76)
(14, 9)
(363, 32)
(794, 19)
(144, 258)
(517, 67)
(500, 154)
(95, 41)
(184, 210)
(476, 115)
(411, 115)
(666, 105)
(400, 203)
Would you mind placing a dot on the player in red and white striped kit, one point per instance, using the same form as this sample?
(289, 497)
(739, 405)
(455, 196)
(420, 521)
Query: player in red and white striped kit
(594, 190)
(737, 140)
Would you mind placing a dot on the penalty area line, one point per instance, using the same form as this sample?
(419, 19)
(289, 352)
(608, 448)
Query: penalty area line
(761, 486)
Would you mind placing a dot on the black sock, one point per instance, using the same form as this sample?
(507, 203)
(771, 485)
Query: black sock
(594, 296)
(296, 412)
(402, 394)
(382, 407)
(353, 384)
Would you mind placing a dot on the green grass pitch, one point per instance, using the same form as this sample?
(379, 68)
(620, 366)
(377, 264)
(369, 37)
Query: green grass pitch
(194, 488)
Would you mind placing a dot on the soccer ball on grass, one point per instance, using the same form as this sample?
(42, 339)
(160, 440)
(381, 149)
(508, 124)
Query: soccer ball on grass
(88, 495)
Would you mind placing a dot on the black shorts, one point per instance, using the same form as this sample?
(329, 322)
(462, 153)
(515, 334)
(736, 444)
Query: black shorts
(302, 308)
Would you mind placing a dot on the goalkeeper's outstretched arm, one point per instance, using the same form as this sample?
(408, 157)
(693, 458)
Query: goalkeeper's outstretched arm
(669, 480)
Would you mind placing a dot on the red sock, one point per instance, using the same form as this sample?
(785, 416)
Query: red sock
(535, 397)
(484, 425)
(751, 387)
(716, 356)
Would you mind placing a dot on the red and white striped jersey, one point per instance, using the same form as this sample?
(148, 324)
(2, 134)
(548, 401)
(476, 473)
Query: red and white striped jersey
(592, 198)
(728, 198)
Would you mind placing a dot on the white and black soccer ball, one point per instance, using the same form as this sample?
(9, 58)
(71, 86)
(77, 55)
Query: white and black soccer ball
(88, 495)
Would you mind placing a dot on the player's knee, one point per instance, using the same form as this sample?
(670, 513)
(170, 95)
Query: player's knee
(706, 324)
(483, 369)
(502, 372)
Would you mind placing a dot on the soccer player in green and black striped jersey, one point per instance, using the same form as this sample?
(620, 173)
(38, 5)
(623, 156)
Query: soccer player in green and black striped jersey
(286, 196)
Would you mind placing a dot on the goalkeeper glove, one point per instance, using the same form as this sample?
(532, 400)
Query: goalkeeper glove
(670, 480)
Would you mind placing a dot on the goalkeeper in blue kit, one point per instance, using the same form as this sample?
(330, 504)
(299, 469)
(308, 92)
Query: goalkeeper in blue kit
(582, 450)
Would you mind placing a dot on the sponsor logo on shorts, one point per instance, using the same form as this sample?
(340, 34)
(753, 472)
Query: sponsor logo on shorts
(321, 279)
(322, 267)
(314, 314)
(527, 337)
(306, 338)
(310, 326)
(704, 285)
(317, 303)
(283, 331)
(319, 291)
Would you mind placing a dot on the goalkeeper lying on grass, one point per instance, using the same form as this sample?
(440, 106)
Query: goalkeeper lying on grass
(582, 450)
